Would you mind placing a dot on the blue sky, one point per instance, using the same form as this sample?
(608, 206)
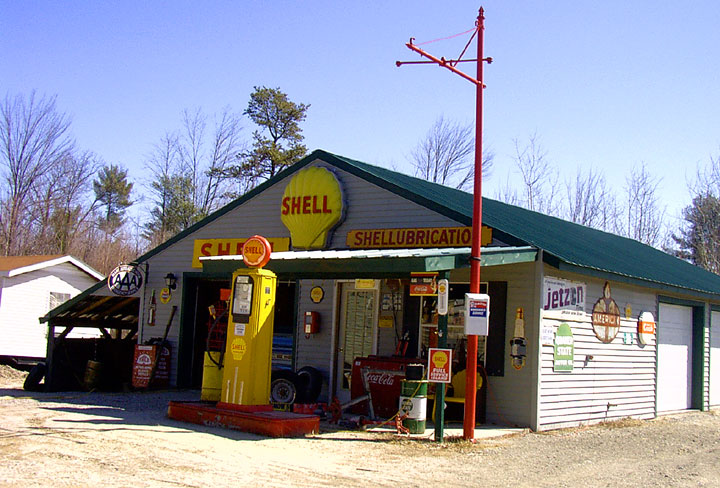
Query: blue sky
(602, 84)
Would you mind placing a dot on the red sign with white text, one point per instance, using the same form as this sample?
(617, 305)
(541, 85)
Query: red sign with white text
(439, 365)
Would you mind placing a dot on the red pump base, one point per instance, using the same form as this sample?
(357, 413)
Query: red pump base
(260, 420)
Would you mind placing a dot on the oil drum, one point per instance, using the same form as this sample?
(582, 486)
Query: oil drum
(413, 402)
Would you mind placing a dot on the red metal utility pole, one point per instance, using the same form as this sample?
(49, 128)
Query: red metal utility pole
(472, 340)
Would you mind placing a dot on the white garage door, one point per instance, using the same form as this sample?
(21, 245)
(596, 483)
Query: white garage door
(674, 375)
(715, 359)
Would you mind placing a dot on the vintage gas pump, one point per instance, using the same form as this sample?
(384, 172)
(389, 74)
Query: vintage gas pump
(245, 385)
(248, 348)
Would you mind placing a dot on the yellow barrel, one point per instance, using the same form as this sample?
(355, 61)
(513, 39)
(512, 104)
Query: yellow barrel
(212, 377)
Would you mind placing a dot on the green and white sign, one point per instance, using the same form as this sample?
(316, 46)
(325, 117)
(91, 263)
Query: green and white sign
(564, 351)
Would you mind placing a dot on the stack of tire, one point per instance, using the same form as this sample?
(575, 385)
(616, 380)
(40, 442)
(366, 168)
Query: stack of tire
(303, 386)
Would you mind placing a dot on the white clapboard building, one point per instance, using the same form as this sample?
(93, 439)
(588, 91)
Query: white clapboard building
(30, 286)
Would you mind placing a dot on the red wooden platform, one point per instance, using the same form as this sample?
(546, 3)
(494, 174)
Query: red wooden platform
(262, 421)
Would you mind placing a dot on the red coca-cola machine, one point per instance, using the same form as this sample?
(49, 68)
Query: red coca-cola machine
(384, 375)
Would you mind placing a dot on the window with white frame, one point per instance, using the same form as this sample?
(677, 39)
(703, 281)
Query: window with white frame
(57, 299)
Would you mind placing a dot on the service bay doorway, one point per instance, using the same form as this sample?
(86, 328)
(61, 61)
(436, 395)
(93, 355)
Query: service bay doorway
(357, 332)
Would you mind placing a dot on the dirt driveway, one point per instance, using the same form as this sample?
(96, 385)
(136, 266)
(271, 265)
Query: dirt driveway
(125, 440)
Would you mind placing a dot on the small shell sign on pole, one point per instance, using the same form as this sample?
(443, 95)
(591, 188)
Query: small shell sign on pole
(439, 365)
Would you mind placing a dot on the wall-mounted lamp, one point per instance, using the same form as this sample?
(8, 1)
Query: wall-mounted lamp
(171, 281)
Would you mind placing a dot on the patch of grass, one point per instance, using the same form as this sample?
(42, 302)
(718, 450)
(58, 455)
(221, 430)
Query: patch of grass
(621, 423)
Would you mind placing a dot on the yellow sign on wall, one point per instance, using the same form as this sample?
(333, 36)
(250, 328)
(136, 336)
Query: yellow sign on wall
(365, 284)
(311, 207)
(228, 247)
(415, 237)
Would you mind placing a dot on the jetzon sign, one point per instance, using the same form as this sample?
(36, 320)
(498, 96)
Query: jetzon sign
(563, 295)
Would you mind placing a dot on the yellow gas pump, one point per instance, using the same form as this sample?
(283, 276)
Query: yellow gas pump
(248, 349)
(245, 390)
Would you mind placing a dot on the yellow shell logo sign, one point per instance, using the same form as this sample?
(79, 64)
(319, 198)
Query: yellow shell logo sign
(440, 359)
(238, 348)
(312, 206)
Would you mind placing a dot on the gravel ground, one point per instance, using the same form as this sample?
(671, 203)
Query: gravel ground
(124, 439)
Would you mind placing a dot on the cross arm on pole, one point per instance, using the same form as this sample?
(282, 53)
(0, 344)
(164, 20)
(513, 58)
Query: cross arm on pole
(442, 62)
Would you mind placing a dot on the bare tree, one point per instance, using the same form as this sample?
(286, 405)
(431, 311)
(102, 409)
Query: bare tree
(63, 206)
(206, 159)
(33, 139)
(589, 200)
(540, 179)
(190, 172)
(644, 215)
(508, 194)
(446, 155)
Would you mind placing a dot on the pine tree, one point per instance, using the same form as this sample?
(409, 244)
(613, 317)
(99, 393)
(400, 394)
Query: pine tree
(277, 143)
(113, 192)
(699, 239)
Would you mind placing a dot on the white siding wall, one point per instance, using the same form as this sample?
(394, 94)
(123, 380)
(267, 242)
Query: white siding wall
(509, 397)
(315, 350)
(714, 375)
(26, 298)
(619, 380)
(368, 206)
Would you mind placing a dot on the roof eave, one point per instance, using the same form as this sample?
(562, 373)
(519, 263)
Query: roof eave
(633, 280)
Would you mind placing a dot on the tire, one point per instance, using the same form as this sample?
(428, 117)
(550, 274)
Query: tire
(36, 374)
(283, 387)
(309, 384)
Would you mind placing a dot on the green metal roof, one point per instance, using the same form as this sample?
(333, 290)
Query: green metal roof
(566, 245)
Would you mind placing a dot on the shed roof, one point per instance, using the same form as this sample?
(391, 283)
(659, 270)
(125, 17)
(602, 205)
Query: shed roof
(17, 265)
(9, 263)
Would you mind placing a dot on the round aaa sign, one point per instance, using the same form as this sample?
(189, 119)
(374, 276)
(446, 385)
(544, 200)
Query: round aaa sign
(125, 280)
(256, 252)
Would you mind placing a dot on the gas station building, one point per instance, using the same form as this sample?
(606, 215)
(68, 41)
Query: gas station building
(584, 326)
